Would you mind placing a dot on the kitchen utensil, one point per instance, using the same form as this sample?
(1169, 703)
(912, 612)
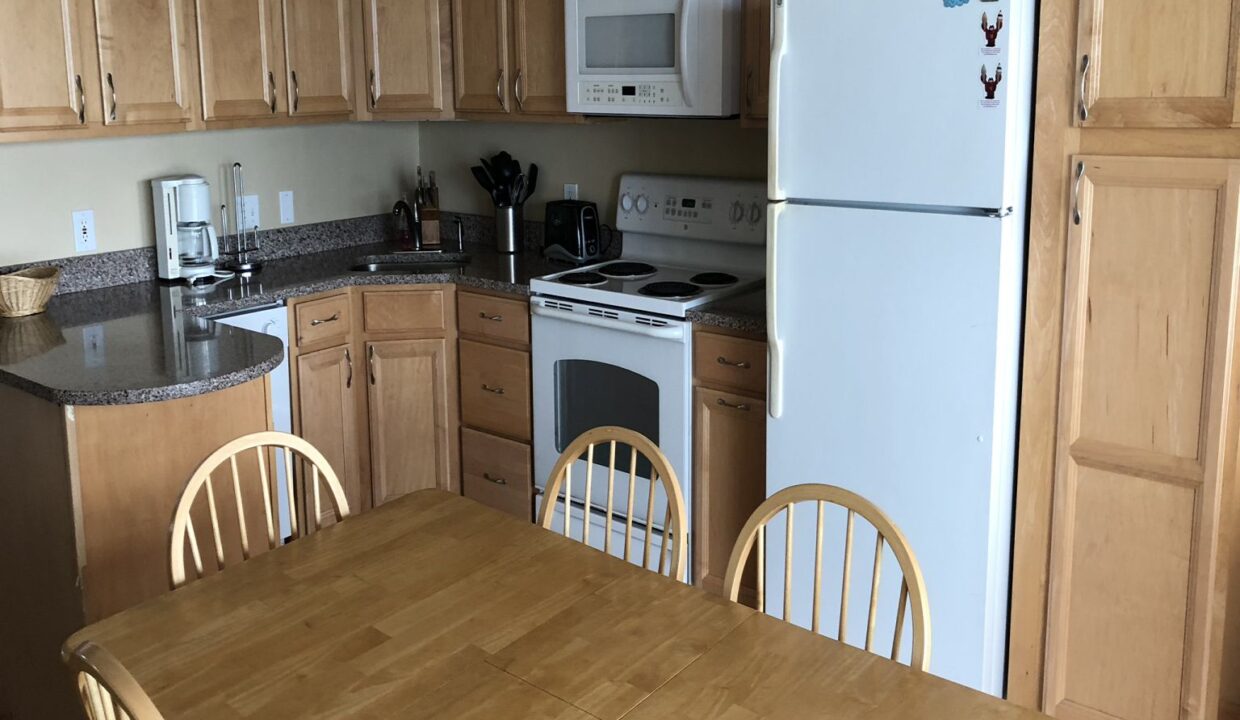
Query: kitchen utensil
(531, 182)
(509, 229)
(517, 192)
(487, 184)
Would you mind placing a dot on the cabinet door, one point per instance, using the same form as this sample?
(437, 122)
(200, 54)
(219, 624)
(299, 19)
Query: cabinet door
(480, 55)
(729, 449)
(409, 426)
(404, 72)
(43, 84)
(538, 50)
(316, 39)
(241, 46)
(1158, 63)
(145, 63)
(327, 413)
(1144, 445)
(757, 60)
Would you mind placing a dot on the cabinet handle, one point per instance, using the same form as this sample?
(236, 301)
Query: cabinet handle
(1084, 82)
(499, 90)
(492, 318)
(296, 90)
(743, 407)
(112, 88)
(316, 322)
(516, 90)
(749, 90)
(741, 364)
(496, 390)
(371, 363)
(348, 358)
(491, 478)
(1076, 193)
(271, 81)
(77, 80)
(373, 98)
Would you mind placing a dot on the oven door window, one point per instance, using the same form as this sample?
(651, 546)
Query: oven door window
(590, 394)
(638, 42)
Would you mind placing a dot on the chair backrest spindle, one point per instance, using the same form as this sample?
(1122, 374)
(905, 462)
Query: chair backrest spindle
(107, 690)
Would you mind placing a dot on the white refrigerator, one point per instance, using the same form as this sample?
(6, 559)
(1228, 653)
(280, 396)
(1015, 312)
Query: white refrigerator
(899, 147)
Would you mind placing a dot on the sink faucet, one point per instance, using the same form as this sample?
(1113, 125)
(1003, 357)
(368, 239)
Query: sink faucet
(409, 215)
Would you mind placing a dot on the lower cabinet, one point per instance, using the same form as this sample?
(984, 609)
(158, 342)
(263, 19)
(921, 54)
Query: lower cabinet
(328, 417)
(497, 472)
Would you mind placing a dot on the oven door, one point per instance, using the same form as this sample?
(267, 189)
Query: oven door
(591, 370)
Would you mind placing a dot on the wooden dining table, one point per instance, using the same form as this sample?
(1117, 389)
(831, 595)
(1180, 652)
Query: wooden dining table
(433, 606)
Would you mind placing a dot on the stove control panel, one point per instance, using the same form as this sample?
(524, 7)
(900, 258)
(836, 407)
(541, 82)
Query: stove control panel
(698, 208)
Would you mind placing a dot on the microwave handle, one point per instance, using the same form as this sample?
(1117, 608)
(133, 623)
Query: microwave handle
(686, 81)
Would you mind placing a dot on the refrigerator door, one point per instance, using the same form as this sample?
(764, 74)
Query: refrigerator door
(874, 104)
(898, 336)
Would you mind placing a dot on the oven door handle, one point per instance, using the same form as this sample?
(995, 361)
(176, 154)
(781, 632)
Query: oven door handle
(669, 332)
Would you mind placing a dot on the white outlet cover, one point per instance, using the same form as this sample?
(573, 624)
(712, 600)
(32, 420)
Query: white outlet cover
(570, 191)
(250, 219)
(286, 207)
(84, 231)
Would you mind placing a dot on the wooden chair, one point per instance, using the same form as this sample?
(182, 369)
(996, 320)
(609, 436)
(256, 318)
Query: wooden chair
(912, 590)
(261, 443)
(107, 689)
(675, 522)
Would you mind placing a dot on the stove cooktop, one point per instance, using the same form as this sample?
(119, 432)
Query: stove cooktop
(644, 287)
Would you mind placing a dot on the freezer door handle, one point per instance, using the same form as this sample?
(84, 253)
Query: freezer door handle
(779, 49)
(774, 341)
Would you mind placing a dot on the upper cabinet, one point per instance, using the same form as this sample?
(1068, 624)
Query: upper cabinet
(480, 55)
(46, 66)
(146, 65)
(1157, 63)
(538, 56)
(317, 36)
(756, 62)
(241, 49)
(403, 56)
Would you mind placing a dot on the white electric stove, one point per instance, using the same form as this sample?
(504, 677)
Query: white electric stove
(610, 342)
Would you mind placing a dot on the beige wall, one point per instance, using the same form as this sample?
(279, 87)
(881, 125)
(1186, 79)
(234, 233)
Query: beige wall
(335, 171)
(593, 156)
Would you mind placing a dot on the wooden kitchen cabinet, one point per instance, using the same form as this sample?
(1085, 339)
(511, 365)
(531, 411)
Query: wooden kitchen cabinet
(241, 45)
(538, 56)
(48, 75)
(756, 63)
(327, 416)
(1146, 441)
(480, 55)
(1158, 63)
(410, 419)
(497, 472)
(147, 61)
(496, 390)
(318, 50)
(403, 56)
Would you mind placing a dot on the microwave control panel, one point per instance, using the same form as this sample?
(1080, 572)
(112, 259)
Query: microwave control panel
(604, 94)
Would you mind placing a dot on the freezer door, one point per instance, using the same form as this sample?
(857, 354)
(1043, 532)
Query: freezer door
(876, 103)
(898, 366)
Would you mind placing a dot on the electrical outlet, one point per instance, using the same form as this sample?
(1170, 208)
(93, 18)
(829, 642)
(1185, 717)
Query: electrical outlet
(84, 231)
(94, 355)
(250, 219)
(570, 191)
(286, 207)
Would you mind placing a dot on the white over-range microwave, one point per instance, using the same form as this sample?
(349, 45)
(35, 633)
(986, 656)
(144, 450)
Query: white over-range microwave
(653, 57)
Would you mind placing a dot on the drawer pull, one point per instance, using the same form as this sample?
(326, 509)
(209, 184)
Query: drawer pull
(743, 407)
(491, 478)
(741, 364)
(496, 390)
(492, 318)
(332, 319)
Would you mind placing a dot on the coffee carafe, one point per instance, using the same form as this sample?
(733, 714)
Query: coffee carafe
(184, 236)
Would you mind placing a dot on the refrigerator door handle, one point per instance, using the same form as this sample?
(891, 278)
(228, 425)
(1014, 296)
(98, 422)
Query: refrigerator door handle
(774, 341)
(779, 49)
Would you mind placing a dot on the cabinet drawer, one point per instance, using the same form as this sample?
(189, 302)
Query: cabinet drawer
(493, 318)
(730, 361)
(495, 389)
(497, 472)
(403, 311)
(322, 320)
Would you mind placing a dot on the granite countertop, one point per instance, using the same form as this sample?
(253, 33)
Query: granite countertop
(147, 342)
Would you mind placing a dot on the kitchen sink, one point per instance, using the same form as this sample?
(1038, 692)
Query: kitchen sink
(379, 268)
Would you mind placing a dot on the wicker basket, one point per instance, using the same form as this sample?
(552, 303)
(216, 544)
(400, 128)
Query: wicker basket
(26, 292)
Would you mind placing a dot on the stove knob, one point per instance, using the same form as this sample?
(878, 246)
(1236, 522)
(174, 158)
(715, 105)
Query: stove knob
(755, 214)
(738, 212)
(626, 202)
(643, 204)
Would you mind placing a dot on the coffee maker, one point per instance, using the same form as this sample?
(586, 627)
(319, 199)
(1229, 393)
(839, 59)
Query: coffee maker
(184, 237)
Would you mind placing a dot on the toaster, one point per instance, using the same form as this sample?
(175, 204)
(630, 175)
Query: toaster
(572, 232)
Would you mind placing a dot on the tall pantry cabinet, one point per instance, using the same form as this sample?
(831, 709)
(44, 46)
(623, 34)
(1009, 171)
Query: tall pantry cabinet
(1126, 572)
